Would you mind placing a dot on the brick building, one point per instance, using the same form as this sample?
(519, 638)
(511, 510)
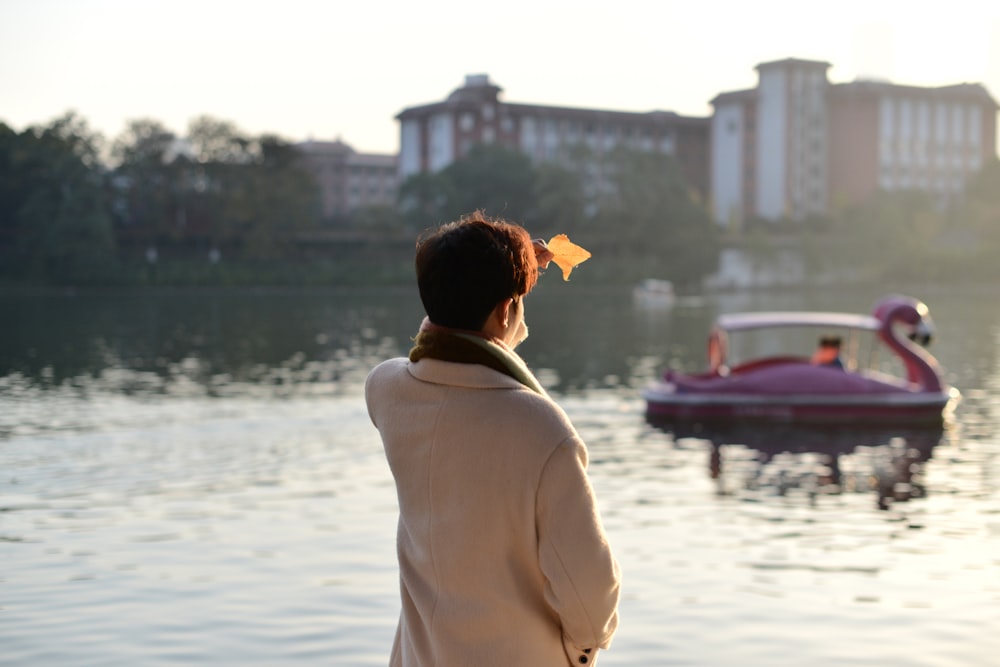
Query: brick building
(794, 146)
(892, 137)
(797, 145)
(349, 180)
(432, 136)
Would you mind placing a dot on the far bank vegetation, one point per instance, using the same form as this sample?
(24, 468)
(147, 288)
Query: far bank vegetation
(234, 209)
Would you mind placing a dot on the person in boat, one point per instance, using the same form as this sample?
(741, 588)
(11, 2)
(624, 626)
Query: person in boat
(503, 559)
(828, 352)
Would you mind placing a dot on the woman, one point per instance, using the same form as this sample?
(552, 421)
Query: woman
(502, 556)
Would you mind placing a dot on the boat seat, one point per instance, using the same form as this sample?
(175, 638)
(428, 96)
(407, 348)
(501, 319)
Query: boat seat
(768, 361)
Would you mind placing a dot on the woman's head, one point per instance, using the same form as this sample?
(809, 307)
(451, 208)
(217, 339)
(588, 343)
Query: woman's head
(467, 267)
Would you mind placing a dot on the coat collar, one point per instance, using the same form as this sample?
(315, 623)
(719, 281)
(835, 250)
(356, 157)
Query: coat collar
(471, 376)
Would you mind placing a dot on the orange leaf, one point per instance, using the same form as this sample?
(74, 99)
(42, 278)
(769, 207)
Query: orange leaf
(566, 254)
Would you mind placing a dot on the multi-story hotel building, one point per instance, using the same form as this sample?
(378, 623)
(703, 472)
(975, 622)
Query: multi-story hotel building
(433, 136)
(349, 180)
(797, 145)
(794, 146)
(891, 137)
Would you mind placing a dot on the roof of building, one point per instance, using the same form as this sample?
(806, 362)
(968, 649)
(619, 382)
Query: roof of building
(605, 115)
(958, 91)
(794, 62)
(734, 96)
(313, 147)
(478, 89)
(337, 149)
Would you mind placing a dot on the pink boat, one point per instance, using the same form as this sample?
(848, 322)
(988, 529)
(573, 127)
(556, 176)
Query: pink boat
(855, 386)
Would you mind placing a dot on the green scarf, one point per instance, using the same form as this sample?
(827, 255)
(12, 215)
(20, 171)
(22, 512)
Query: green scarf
(434, 342)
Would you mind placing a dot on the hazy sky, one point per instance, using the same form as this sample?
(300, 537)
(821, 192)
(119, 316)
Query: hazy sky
(333, 69)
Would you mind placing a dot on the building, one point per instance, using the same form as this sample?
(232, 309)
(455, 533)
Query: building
(892, 137)
(349, 180)
(433, 136)
(797, 146)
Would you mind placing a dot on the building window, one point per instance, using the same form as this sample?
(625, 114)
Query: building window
(467, 121)
(888, 118)
(975, 125)
(941, 123)
(957, 126)
(905, 118)
(886, 152)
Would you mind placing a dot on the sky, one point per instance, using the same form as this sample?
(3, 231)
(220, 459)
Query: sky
(343, 70)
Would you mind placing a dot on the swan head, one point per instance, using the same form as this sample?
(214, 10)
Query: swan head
(901, 316)
(922, 333)
(911, 313)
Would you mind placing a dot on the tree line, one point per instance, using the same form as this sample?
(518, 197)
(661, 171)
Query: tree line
(218, 206)
(908, 236)
(77, 208)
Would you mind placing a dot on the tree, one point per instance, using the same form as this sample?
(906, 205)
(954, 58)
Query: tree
(378, 218)
(893, 234)
(150, 183)
(497, 180)
(648, 213)
(423, 200)
(248, 194)
(12, 176)
(219, 141)
(277, 197)
(53, 202)
(560, 201)
(226, 184)
(979, 211)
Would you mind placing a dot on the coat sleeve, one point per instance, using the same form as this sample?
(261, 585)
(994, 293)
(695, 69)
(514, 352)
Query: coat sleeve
(582, 575)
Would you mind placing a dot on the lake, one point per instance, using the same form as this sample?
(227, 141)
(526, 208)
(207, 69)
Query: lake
(191, 477)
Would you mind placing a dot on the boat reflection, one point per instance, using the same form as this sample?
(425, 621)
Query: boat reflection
(754, 458)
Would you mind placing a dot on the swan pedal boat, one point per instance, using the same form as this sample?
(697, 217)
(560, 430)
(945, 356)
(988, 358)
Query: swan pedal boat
(790, 388)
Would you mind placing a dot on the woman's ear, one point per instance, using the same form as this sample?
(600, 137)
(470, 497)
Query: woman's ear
(503, 309)
(497, 322)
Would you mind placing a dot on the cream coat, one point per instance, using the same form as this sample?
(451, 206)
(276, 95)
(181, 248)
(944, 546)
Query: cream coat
(502, 556)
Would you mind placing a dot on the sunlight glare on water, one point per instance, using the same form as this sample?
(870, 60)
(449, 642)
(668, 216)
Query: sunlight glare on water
(216, 508)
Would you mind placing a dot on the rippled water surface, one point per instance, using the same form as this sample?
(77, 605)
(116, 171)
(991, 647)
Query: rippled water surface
(192, 478)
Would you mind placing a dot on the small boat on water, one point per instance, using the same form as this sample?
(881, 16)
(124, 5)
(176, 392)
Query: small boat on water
(654, 293)
(832, 385)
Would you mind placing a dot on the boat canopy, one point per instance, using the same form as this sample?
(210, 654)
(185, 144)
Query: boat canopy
(762, 320)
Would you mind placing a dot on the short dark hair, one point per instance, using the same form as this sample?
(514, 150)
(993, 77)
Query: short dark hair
(465, 268)
(830, 341)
